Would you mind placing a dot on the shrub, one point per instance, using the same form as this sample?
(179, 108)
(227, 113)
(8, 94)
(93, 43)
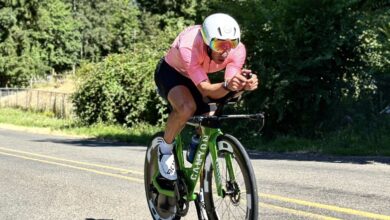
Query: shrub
(120, 89)
(318, 61)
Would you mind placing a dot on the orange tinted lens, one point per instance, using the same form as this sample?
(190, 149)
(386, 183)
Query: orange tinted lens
(223, 45)
(234, 43)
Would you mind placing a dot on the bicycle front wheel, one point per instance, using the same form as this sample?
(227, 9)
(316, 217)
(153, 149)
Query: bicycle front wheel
(153, 197)
(240, 199)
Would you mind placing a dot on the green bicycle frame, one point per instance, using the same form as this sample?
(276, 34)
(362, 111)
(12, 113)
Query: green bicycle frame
(191, 175)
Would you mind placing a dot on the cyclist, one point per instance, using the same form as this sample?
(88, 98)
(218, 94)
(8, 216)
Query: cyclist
(181, 76)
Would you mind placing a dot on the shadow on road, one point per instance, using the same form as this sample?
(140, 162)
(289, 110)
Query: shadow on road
(254, 155)
(98, 219)
(90, 142)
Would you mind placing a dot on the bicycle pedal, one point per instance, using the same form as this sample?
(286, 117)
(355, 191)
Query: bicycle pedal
(165, 183)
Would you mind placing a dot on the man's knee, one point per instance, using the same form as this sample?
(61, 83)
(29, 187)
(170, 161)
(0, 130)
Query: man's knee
(186, 109)
(182, 102)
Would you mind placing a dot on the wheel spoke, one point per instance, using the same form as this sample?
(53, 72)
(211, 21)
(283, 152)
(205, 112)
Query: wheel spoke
(224, 205)
(234, 205)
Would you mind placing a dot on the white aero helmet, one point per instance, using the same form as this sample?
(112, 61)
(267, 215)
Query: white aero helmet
(220, 26)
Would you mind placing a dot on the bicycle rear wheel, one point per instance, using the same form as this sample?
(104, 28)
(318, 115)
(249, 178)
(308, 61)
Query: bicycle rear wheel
(152, 195)
(241, 199)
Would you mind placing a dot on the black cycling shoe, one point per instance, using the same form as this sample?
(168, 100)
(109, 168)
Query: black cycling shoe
(165, 183)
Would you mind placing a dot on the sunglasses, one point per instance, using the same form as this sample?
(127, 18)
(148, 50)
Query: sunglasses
(220, 46)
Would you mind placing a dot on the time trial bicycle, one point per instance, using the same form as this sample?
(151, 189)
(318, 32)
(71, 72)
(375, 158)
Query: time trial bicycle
(227, 184)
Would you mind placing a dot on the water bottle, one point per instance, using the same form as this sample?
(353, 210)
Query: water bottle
(192, 148)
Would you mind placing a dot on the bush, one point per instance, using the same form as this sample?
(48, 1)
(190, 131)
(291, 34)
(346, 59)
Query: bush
(120, 89)
(318, 61)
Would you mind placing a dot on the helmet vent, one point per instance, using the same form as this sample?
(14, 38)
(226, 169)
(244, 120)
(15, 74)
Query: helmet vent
(220, 26)
(220, 32)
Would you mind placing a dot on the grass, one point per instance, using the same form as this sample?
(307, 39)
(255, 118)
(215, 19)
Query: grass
(46, 97)
(31, 119)
(44, 122)
(359, 140)
(348, 142)
(65, 84)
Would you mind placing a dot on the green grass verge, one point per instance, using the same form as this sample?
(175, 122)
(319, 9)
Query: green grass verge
(350, 141)
(347, 142)
(330, 145)
(139, 134)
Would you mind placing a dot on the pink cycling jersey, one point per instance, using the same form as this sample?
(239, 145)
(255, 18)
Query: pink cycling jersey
(188, 55)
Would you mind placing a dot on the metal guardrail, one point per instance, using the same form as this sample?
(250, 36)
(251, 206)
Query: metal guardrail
(58, 103)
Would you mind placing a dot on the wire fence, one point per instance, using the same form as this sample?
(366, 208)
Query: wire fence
(59, 103)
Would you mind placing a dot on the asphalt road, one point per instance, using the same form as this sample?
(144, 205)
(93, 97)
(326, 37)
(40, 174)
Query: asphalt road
(58, 177)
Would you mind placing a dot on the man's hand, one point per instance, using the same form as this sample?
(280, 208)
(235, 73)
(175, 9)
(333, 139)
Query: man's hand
(245, 80)
(237, 83)
(252, 83)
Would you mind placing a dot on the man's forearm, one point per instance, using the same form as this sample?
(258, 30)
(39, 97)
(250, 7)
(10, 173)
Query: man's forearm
(214, 91)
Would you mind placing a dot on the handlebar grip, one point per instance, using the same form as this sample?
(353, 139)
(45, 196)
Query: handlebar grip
(248, 75)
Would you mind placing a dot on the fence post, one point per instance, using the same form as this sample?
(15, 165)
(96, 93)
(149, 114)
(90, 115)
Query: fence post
(26, 98)
(16, 97)
(63, 105)
(30, 98)
(10, 97)
(37, 100)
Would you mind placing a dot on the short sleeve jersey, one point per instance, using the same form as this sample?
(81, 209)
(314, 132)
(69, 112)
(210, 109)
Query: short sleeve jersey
(188, 55)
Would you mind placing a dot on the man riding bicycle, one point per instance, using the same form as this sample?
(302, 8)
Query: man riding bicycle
(181, 76)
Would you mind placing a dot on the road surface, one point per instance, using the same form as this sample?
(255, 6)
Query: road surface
(59, 177)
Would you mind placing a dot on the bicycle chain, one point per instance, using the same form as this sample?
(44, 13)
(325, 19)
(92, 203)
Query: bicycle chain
(181, 189)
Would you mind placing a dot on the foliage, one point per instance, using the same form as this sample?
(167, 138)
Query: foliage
(362, 138)
(375, 48)
(161, 38)
(317, 61)
(58, 34)
(19, 57)
(107, 26)
(20, 60)
(345, 142)
(324, 64)
(186, 9)
(36, 36)
(43, 123)
(120, 89)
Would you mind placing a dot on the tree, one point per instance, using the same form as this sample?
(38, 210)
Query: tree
(58, 33)
(20, 58)
(318, 60)
(175, 8)
(36, 36)
(107, 26)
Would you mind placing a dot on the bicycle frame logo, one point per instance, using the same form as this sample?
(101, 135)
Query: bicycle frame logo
(199, 157)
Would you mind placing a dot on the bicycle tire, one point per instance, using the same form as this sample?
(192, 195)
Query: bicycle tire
(248, 202)
(150, 167)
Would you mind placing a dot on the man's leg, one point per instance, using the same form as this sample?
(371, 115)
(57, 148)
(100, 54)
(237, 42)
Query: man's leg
(183, 107)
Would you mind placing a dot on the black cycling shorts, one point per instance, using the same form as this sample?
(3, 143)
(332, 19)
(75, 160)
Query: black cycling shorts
(167, 77)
